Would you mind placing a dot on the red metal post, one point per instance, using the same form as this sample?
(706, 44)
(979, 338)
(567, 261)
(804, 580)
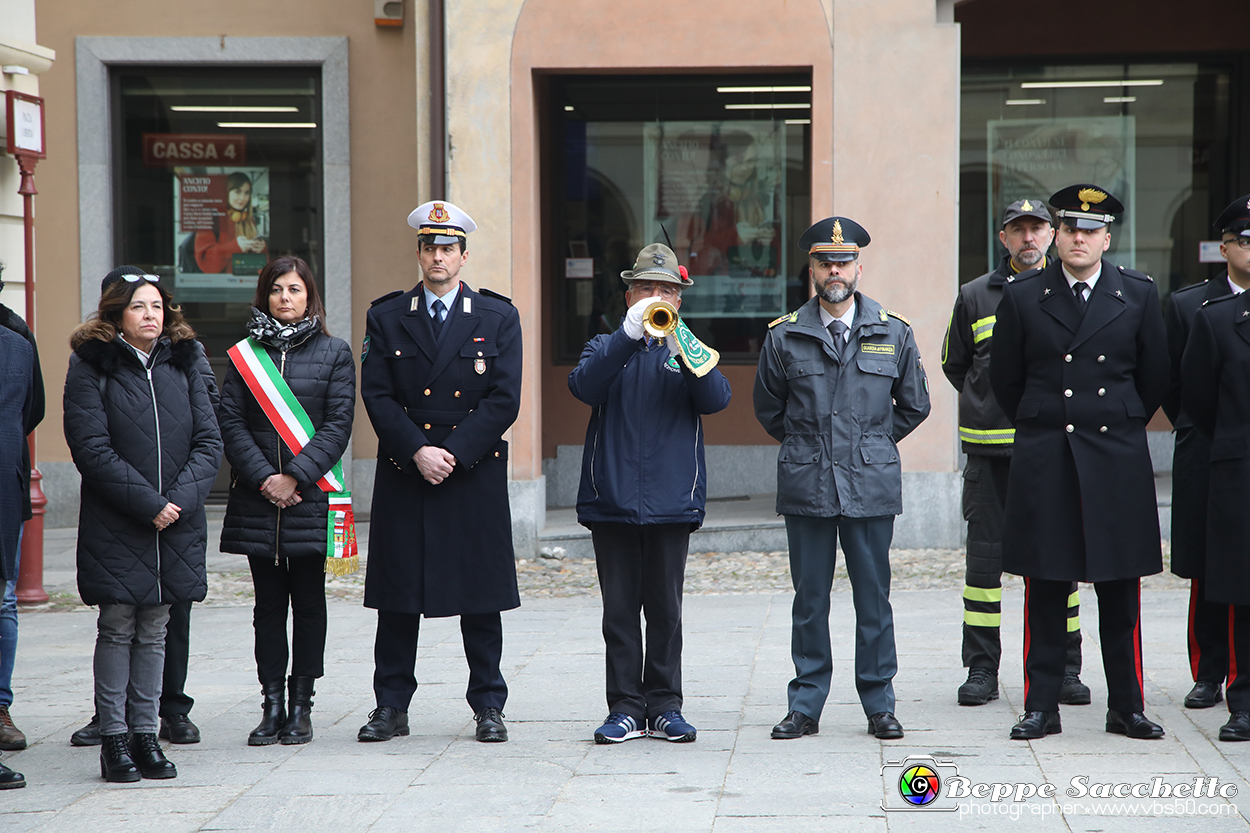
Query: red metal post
(30, 576)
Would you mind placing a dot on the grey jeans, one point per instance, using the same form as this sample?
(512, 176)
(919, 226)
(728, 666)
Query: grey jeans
(129, 659)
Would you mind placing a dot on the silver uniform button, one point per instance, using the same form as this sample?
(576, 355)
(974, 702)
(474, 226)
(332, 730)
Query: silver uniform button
(1068, 393)
(1102, 391)
(1068, 357)
(1102, 359)
(1071, 428)
(1102, 430)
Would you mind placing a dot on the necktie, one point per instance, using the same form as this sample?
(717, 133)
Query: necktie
(1078, 292)
(440, 312)
(838, 329)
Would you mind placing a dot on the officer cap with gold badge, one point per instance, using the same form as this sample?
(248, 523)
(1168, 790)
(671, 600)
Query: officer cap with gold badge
(441, 223)
(834, 240)
(657, 263)
(1236, 218)
(1026, 208)
(1085, 206)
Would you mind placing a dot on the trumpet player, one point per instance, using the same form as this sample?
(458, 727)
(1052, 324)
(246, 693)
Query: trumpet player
(642, 491)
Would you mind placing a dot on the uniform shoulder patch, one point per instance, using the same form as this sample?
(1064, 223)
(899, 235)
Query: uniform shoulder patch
(492, 294)
(1133, 273)
(1219, 300)
(388, 296)
(1193, 287)
(894, 314)
(789, 316)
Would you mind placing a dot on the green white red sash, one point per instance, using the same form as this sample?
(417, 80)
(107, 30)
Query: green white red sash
(295, 428)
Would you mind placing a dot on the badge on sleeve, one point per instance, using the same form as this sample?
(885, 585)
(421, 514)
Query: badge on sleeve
(364, 349)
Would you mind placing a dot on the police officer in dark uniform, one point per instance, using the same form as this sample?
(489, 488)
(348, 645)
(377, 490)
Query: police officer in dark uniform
(1079, 363)
(1216, 396)
(839, 383)
(986, 436)
(440, 375)
(1207, 629)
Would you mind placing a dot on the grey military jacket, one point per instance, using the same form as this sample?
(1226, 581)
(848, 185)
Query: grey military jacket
(839, 419)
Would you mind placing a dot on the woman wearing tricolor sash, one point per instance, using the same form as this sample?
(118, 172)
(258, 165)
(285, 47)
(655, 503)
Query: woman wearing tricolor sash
(286, 417)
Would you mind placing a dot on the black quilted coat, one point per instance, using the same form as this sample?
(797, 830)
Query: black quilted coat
(141, 438)
(322, 376)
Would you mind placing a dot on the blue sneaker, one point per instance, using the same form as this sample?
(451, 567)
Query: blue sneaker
(673, 727)
(618, 728)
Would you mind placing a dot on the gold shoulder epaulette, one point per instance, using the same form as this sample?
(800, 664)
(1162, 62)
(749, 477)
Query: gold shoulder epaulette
(789, 316)
(894, 314)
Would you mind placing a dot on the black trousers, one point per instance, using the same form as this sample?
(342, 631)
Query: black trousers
(300, 584)
(174, 699)
(1208, 636)
(1237, 692)
(395, 660)
(984, 503)
(1045, 637)
(642, 569)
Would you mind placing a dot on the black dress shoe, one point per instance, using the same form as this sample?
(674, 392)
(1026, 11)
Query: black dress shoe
(1237, 727)
(1203, 695)
(1134, 725)
(490, 728)
(150, 758)
(1034, 725)
(116, 765)
(1073, 692)
(88, 735)
(795, 725)
(384, 723)
(178, 728)
(10, 780)
(885, 726)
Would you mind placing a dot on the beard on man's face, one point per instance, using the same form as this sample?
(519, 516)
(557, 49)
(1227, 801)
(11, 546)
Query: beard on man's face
(834, 290)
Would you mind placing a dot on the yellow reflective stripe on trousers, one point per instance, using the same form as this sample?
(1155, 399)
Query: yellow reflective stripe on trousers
(983, 594)
(1074, 623)
(982, 620)
(983, 328)
(992, 436)
(1074, 598)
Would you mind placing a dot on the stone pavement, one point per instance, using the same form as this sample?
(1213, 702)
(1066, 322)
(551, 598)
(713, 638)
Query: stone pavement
(552, 777)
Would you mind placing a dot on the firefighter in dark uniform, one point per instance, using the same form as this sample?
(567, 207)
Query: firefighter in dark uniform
(440, 375)
(1079, 364)
(986, 436)
(1207, 629)
(839, 383)
(1216, 396)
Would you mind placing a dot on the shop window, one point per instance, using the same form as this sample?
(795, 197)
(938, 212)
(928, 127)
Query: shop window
(721, 163)
(216, 171)
(1156, 135)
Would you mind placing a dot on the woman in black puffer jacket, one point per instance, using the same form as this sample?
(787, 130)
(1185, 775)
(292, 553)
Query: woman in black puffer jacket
(140, 426)
(277, 512)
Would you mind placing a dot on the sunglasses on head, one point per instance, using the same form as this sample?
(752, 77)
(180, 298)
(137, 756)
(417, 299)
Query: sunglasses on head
(135, 278)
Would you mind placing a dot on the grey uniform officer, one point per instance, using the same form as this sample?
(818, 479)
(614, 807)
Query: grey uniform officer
(839, 383)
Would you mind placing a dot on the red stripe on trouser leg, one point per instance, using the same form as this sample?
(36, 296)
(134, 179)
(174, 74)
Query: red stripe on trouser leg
(1141, 683)
(1027, 637)
(1195, 650)
(1232, 646)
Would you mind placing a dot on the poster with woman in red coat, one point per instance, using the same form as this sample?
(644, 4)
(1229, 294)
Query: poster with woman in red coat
(222, 225)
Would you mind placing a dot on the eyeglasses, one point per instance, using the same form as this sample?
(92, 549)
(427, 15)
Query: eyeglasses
(1242, 242)
(136, 278)
(665, 290)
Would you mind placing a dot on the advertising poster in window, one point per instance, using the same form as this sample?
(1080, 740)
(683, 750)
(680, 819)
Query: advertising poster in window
(1034, 158)
(719, 190)
(221, 232)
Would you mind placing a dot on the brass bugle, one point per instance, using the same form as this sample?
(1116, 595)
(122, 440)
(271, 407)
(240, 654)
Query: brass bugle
(659, 319)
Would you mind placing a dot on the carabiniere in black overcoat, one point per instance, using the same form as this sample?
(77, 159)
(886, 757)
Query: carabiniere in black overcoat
(1191, 471)
(1080, 389)
(441, 550)
(1216, 367)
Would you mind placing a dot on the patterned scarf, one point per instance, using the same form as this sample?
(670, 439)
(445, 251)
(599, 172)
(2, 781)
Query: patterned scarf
(268, 330)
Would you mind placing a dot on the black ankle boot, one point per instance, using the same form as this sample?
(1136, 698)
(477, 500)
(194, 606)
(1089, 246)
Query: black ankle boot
(298, 727)
(273, 716)
(115, 762)
(149, 757)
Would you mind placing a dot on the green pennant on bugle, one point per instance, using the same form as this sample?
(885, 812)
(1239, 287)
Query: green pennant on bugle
(698, 356)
